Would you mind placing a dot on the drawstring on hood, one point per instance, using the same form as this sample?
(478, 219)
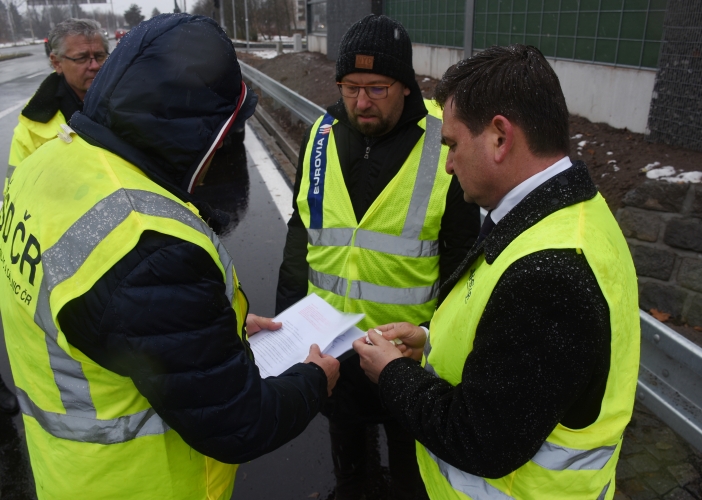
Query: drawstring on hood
(165, 99)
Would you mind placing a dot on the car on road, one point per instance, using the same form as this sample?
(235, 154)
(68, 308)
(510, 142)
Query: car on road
(47, 47)
(119, 33)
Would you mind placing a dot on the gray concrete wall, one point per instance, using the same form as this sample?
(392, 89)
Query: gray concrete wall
(620, 97)
(341, 14)
(317, 43)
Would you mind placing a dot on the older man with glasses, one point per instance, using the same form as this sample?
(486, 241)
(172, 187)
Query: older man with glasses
(78, 50)
(377, 224)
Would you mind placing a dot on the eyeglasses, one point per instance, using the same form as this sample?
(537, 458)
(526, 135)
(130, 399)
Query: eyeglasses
(375, 91)
(99, 58)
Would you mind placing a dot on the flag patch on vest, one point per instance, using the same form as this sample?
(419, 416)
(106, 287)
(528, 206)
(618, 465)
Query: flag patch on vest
(318, 167)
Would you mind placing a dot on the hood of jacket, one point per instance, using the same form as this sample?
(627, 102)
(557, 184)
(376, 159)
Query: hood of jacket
(166, 97)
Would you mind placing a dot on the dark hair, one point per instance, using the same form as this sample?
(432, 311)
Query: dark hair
(516, 82)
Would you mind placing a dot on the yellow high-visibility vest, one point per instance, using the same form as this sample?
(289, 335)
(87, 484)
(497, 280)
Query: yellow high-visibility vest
(572, 463)
(386, 265)
(29, 135)
(69, 215)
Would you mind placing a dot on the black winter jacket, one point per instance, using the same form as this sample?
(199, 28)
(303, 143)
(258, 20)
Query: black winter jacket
(160, 315)
(53, 95)
(540, 355)
(368, 165)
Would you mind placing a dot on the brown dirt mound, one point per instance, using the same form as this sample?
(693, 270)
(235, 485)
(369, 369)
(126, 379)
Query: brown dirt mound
(614, 156)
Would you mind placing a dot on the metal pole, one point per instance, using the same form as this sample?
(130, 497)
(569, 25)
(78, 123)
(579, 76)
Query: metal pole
(468, 29)
(234, 17)
(246, 21)
(221, 15)
(51, 21)
(9, 21)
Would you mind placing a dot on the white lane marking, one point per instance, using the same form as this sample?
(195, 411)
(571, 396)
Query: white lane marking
(272, 177)
(9, 110)
(36, 74)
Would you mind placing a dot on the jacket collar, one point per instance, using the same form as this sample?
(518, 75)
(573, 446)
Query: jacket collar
(52, 96)
(572, 186)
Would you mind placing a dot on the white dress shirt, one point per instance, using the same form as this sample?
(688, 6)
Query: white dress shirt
(517, 194)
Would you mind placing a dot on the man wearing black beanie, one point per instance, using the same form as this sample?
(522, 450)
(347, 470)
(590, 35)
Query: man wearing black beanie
(377, 224)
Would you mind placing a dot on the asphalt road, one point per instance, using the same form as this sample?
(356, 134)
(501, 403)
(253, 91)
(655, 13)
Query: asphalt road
(299, 470)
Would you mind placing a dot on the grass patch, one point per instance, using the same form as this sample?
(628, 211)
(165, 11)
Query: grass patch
(7, 57)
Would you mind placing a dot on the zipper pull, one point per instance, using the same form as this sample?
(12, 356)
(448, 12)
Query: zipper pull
(367, 152)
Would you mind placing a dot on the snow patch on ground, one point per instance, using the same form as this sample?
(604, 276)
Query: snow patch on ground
(668, 174)
(267, 54)
(650, 166)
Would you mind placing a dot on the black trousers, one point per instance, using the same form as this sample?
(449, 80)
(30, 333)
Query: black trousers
(353, 407)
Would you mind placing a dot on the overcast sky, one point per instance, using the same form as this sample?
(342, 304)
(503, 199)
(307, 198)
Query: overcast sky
(147, 6)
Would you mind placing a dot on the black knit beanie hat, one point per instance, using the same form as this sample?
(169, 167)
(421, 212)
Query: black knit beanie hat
(376, 44)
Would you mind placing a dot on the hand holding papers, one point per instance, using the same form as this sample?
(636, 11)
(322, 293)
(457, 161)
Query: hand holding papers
(310, 321)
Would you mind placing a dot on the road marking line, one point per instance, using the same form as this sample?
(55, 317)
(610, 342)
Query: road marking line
(36, 74)
(272, 177)
(9, 110)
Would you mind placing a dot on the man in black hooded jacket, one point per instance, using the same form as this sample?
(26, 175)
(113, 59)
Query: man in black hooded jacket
(150, 388)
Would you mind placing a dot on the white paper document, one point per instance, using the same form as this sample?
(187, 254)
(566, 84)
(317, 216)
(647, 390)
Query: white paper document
(343, 342)
(309, 321)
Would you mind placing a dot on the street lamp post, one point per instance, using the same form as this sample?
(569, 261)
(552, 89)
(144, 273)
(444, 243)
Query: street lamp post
(234, 17)
(246, 20)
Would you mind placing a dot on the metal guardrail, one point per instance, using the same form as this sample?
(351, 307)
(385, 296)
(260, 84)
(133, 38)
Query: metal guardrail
(670, 378)
(304, 109)
(670, 372)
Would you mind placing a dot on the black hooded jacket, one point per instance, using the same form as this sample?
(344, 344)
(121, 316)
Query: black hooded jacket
(161, 315)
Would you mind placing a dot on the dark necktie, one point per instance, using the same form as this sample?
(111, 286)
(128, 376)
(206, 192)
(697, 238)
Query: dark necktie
(485, 229)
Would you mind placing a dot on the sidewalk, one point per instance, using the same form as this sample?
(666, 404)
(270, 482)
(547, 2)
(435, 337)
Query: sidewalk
(655, 463)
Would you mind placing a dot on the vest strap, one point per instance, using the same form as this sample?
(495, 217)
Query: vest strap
(476, 487)
(70, 252)
(371, 240)
(362, 290)
(91, 430)
(554, 457)
(603, 494)
(318, 168)
(558, 457)
(427, 351)
(426, 174)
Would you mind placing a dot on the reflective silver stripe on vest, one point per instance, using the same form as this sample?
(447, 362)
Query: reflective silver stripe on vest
(474, 486)
(555, 457)
(75, 428)
(362, 290)
(427, 351)
(408, 244)
(603, 494)
(70, 252)
(371, 240)
(328, 282)
(426, 174)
